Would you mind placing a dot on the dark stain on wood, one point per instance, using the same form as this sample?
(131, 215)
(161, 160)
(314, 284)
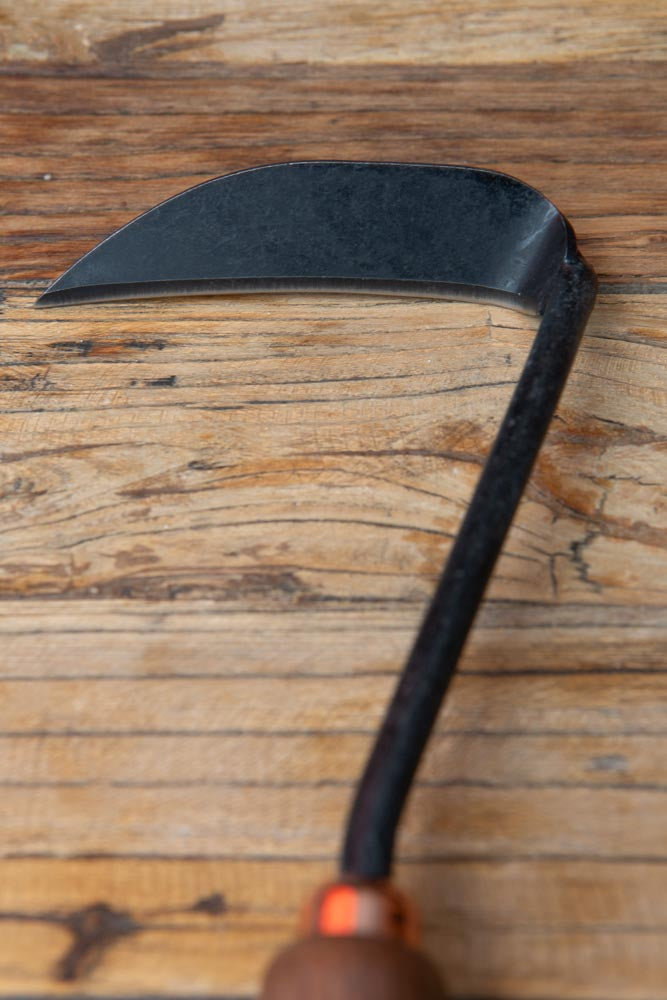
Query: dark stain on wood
(89, 347)
(609, 762)
(162, 38)
(152, 344)
(272, 585)
(82, 348)
(39, 382)
(94, 929)
(215, 904)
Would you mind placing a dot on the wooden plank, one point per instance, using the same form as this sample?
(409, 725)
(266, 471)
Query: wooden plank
(563, 915)
(556, 702)
(635, 126)
(282, 447)
(287, 821)
(517, 92)
(121, 637)
(333, 32)
(461, 759)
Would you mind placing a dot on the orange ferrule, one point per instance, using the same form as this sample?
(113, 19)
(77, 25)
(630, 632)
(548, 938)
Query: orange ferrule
(364, 909)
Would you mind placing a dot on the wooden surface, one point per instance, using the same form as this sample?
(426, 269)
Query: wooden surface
(221, 518)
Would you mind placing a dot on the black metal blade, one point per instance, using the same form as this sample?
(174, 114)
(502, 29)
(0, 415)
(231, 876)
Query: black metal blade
(398, 228)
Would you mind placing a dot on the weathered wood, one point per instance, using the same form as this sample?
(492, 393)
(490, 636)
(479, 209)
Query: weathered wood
(604, 912)
(260, 428)
(221, 519)
(203, 32)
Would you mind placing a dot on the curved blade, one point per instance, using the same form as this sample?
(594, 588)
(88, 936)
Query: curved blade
(379, 227)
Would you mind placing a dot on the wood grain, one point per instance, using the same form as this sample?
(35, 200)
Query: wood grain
(174, 34)
(608, 913)
(221, 519)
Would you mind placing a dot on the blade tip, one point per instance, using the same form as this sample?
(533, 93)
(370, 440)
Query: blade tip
(59, 297)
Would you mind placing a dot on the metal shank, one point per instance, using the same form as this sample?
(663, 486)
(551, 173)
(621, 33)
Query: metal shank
(386, 781)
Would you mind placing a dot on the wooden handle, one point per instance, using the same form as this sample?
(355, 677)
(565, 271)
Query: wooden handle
(351, 968)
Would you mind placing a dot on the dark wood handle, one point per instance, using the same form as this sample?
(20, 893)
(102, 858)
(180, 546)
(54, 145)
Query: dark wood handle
(351, 968)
